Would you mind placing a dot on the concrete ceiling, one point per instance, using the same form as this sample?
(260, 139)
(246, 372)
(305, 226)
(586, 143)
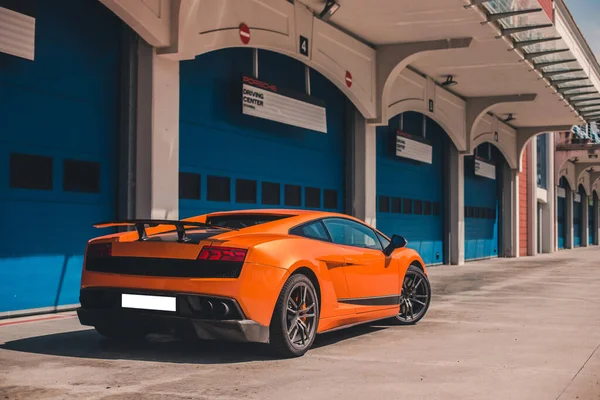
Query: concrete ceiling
(488, 68)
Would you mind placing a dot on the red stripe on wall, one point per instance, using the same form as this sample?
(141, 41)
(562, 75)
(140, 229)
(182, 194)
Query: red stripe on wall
(547, 7)
(523, 206)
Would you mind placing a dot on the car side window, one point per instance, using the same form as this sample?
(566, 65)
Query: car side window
(312, 230)
(384, 242)
(351, 233)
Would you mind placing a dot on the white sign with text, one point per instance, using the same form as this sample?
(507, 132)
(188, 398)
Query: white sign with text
(485, 169)
(262, 100)
(415, 148)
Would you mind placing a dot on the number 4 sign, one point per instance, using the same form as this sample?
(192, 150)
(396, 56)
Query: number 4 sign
(303, 46)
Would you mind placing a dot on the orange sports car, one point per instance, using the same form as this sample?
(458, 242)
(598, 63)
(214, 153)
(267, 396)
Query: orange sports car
(269, 276)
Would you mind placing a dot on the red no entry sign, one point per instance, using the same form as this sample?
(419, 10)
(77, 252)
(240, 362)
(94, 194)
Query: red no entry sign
(348, 79)
(244, 33)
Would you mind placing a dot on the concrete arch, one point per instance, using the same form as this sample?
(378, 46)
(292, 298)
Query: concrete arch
(521, 150)
(585, 189)
(417, 105)
(526, 134)
(595, 182)
(569, 182)
(504, 150)
(562, 172)
(584, 182)
(341, 85)
(177, 34)
(582, 168)
(394, 58)
(496, 146)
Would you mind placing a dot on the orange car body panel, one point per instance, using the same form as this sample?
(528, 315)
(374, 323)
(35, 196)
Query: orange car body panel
(343, 272)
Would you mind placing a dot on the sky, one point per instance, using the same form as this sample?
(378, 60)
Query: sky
(587, 17)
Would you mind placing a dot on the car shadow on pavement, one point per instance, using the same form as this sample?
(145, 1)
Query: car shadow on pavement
(163, 348)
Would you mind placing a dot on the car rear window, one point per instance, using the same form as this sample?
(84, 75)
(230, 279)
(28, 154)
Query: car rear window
(239, 221)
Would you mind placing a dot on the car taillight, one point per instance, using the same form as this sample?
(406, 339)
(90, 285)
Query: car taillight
(222, 254)
(99, 250)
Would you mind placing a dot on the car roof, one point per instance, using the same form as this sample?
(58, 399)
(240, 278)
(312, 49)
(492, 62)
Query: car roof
(268, 211)
(296, 216)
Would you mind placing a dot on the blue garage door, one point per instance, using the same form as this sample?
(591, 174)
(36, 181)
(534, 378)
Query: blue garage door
(57, 151)
(560, 211)
(233, 161)
(409, 192)
(578, 205)
(481, 203)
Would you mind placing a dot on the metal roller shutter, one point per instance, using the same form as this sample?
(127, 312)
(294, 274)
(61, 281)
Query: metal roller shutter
(229, 160)
(481, 203)
(59, 116)
(409, 191)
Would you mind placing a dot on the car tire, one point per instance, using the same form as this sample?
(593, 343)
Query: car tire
(120, 333)
(291, 334)
(418, 297)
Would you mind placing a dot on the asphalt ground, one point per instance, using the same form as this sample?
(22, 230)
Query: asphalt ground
(526, 328)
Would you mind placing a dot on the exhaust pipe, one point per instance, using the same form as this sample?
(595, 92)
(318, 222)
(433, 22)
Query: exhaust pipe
(222, 309)
(207, 306)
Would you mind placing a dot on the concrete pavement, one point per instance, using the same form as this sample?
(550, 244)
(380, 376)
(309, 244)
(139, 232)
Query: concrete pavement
(526, 328)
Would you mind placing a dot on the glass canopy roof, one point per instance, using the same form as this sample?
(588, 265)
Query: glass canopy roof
(543, 46)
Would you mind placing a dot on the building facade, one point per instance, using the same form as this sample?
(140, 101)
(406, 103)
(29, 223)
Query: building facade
(115, 109)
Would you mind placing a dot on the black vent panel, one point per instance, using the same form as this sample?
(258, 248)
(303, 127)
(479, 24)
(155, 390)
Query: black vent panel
(169, 267)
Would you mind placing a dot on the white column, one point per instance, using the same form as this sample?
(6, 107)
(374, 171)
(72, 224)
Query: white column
(455, 206)
(597, 223)
(585, 227)
(364, 161)
(157, 159)
(532, 209)
(540, 231)
(512, 215)
(569, 219)
(549, 213)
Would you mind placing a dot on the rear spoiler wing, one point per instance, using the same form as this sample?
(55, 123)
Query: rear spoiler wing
(140, 226)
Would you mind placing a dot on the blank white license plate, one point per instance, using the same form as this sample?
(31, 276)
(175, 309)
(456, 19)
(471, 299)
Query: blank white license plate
(145, 302)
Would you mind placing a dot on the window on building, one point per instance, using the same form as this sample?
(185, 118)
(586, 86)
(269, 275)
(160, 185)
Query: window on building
(396, 205)
(427, 208)
(30, 171)
(407, 206)
(293, 195)
(312, 197)
(418, 207)
(542, 168)
(384, 204)
(330, 198)
(81, 176)
(218, 188)
(271, 193)
(245, 191)
(189, 185)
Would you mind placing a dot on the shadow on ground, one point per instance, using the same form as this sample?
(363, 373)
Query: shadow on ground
(164, 348)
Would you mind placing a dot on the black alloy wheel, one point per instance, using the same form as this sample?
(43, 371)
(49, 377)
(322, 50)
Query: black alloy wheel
(415, 297)
(296, 317)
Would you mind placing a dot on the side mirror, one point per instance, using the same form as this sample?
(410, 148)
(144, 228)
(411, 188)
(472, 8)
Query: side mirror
(397, 242)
